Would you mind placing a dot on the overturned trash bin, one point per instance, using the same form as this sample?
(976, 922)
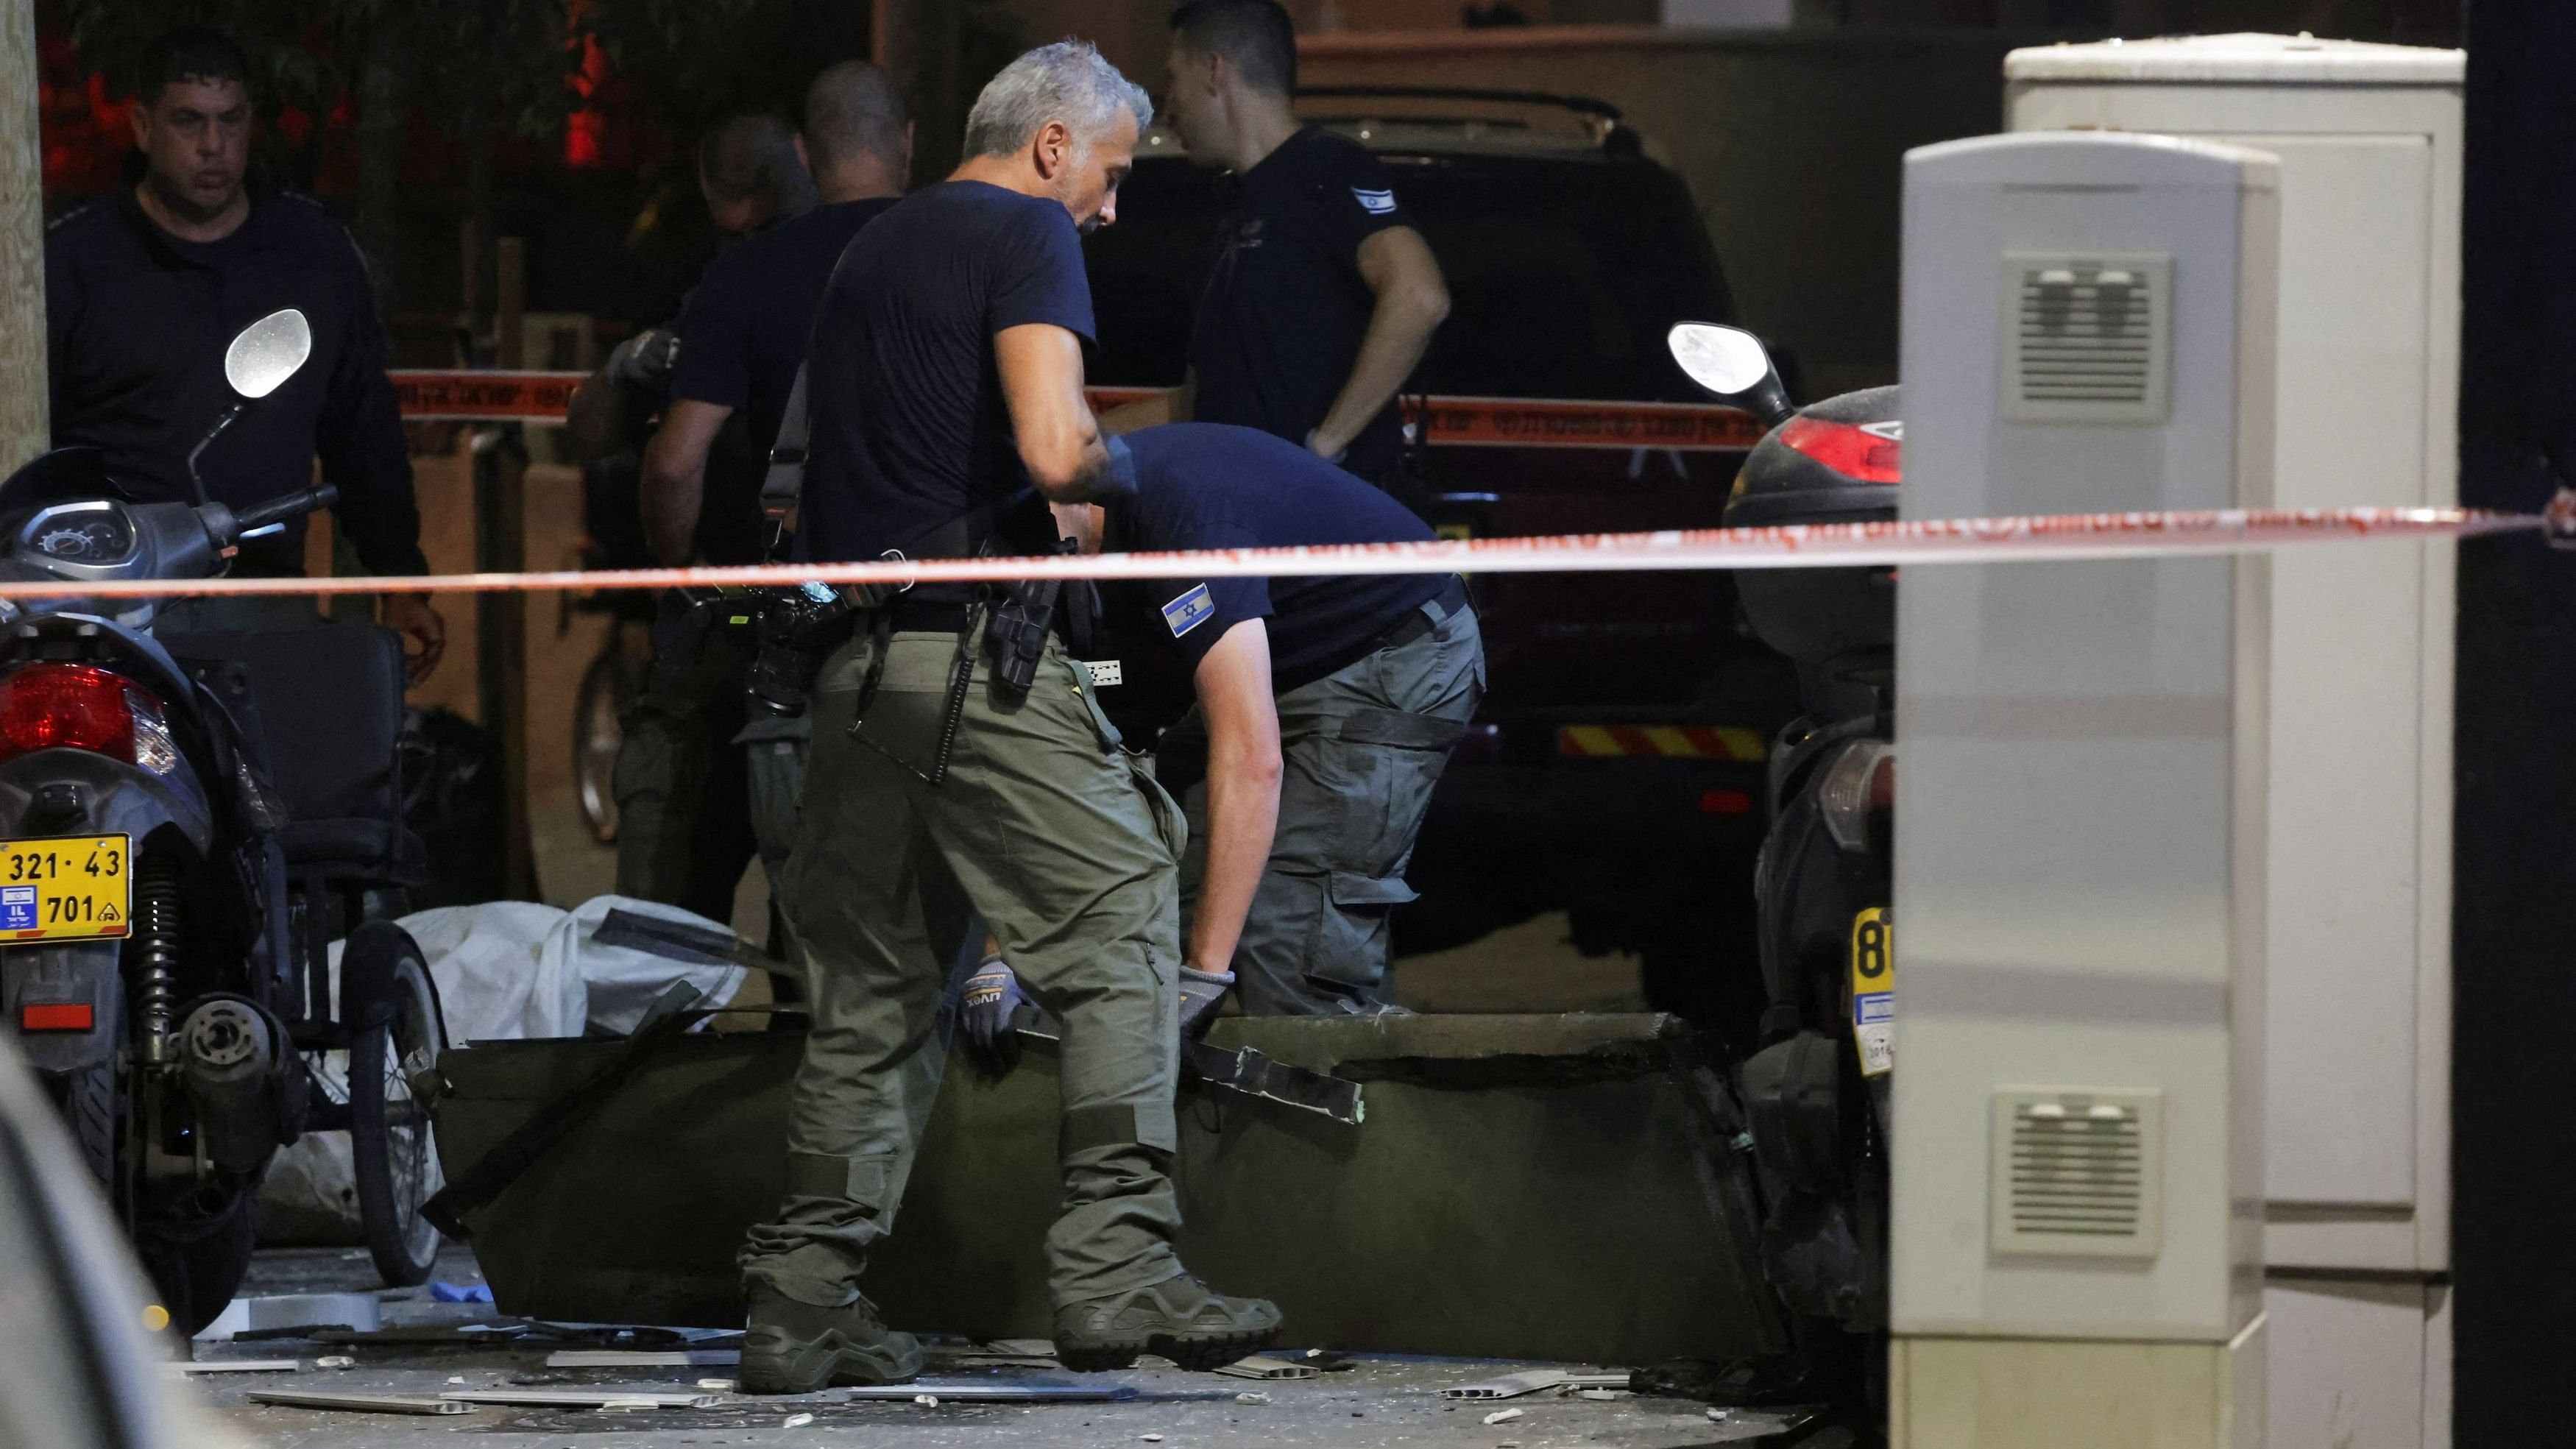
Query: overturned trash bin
(1550, 1187)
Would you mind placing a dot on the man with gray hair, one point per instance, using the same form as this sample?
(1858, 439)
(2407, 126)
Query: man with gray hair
(961, 767)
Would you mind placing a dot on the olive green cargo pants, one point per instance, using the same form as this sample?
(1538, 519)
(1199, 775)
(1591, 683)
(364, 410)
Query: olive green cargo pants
(1066, 847)
(1360, 751)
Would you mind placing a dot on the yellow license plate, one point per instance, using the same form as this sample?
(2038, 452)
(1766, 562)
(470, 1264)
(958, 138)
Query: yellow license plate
(1873, 990)
(74, 889)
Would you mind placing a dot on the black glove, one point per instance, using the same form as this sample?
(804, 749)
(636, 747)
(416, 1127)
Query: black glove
(987, 1009)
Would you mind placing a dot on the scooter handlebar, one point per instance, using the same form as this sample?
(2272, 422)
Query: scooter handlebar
(278, 510)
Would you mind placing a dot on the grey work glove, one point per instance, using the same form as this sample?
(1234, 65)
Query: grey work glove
(987, 1009)
(1202, 992)
(644, 360)
(1117, 482)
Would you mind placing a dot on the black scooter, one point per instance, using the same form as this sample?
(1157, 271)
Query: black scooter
(1817, 1090)
(163, 923)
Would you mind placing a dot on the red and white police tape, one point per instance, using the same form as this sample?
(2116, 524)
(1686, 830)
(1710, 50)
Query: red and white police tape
(1930, 541)
(1487, 422)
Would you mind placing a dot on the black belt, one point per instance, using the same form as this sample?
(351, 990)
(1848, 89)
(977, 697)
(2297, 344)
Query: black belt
(1451, 598)
(931, 616)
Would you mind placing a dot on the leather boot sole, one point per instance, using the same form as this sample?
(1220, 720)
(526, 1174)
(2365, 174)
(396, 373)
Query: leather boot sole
(1198, 1352)
(811, 1367)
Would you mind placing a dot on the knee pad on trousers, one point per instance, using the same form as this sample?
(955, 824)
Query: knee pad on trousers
(1118, 1124)
(866, 1181)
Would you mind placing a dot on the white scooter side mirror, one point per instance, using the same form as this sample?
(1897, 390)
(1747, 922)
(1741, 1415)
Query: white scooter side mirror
(1731, 364)
(259, 361)
(267, 353)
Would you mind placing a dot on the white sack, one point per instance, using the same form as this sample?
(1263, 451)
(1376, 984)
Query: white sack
(506, 971)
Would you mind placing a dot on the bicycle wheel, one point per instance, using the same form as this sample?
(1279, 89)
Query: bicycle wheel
(392, 1007)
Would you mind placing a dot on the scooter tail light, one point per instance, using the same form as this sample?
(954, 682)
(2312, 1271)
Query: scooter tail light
(56, 706)
(1859, 784)
(1848, 448)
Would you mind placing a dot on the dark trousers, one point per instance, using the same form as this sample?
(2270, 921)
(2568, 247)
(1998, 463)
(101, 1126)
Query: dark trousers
(684, 827)
(1361, 750)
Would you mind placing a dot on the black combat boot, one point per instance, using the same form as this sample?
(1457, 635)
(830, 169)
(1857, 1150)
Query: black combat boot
(793, 1347)
(1177, 1318)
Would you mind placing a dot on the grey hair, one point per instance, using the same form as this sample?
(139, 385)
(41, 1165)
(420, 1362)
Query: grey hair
(1067, 81)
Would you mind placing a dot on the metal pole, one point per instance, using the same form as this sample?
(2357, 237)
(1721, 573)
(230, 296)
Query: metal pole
(500, 544)
(23, 425)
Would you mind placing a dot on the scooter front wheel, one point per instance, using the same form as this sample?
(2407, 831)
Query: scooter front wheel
(395, 1037)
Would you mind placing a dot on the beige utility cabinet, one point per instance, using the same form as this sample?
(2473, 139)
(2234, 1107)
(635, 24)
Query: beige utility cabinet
(2356, 1158)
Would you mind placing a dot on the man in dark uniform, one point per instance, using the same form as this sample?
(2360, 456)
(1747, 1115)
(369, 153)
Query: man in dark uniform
(945, 381)
(1324, 296)
(751, 175)
(684, 822)
(144, 291)
(743, 336)
(1326, 711)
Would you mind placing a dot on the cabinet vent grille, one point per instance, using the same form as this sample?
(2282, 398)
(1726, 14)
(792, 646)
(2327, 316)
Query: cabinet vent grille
(2088, 338)
(2077, 1172)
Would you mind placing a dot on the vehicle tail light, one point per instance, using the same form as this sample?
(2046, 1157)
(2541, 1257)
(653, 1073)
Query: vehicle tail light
(1850, 449)
(1717, 800)
(1859, 784)
(56, 1016)
(51, 706)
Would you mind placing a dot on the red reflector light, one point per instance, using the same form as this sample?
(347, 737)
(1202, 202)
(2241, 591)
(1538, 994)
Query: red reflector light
(55, 1016)
(1715, 801)
(1847, 448)
(65, 707)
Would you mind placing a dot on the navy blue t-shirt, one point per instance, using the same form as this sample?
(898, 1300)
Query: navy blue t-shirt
(137, 323)
(1279, 328)
(910, 431)
(1211, 485)
(742, 335)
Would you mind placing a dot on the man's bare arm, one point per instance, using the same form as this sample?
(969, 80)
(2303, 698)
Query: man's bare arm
(1080, 522)
(590, 419)
(675, 476)
(1411, 301)
(1060, 441)
(1172, 405)
(592, 422)
(1243, 789)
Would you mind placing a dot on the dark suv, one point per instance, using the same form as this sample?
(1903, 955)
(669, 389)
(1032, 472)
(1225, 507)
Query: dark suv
(1616, 772)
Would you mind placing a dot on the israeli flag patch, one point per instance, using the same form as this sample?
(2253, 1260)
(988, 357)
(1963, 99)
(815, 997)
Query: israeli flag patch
(1375, 203)
(1189, 611)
